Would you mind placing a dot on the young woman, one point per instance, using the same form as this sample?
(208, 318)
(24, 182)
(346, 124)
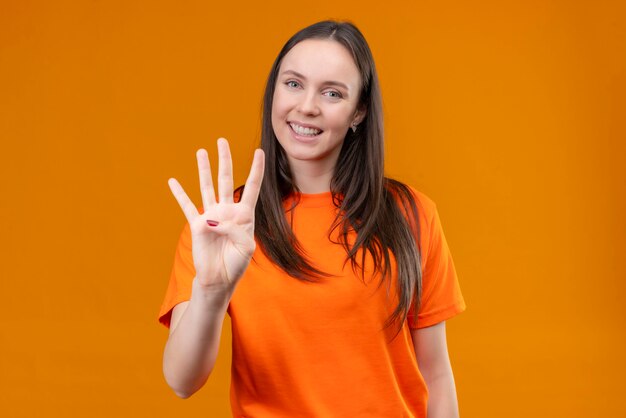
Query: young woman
(337, 280)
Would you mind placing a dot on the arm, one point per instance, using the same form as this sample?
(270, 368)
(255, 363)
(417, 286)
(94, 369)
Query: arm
(431, 350)
(222, 244)
(191, 349)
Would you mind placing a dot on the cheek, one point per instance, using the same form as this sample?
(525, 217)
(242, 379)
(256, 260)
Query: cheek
(278, 107)
(340, 120)
(278, 115)
(275, 113)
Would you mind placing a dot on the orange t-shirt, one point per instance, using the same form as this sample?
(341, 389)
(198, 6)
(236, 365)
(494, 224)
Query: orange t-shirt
(319, 349)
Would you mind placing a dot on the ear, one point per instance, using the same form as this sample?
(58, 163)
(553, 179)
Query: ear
(359, 115)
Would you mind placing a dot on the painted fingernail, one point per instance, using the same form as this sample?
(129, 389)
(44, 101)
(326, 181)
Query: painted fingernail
(212, 223)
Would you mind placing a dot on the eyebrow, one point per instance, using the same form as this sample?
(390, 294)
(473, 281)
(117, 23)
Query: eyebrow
(330, 82)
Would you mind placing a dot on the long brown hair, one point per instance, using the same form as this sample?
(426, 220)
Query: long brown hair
(380, 210)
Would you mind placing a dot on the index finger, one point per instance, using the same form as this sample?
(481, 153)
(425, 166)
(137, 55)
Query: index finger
(255, 178)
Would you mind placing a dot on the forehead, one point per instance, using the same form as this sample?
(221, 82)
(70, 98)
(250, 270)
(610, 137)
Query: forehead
(322, 60)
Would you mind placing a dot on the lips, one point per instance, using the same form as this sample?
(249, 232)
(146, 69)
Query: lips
(304, 129)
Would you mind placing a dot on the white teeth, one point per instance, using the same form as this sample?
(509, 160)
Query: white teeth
(304, 131)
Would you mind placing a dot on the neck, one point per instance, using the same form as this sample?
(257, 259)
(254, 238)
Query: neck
(311, 176)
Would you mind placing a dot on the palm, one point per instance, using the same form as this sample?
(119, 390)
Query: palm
(221, 253)
(225, 256)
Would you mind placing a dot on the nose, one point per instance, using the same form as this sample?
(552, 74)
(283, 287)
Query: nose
(308, 103)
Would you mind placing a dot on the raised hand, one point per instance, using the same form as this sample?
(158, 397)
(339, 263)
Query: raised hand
(223, 235)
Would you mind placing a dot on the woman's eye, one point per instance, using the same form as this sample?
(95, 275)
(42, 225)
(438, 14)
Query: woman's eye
(292, 83)
(334, 94)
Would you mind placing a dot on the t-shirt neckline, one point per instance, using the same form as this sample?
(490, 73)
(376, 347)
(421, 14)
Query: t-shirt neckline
(313, 200)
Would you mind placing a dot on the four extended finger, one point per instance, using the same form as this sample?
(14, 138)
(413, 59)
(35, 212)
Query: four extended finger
(225, 172)
(255, 178)
(183, 200)
(206, 180)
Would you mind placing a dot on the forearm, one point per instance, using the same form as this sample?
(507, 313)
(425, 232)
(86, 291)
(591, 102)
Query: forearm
(442, 400)
(191, 350)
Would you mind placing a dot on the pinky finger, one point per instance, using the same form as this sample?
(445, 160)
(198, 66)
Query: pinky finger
(183, 200)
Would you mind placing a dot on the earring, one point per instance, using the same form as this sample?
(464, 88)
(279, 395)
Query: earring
(354, 125)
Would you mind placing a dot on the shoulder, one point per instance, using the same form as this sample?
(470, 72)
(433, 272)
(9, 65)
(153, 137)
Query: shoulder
(238, 193)
(425, 206)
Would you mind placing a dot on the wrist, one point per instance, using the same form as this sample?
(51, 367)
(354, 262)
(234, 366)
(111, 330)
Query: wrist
(211, 296)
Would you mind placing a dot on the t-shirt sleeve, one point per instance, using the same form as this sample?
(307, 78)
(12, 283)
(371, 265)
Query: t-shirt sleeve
(181, 277)
(441, 294)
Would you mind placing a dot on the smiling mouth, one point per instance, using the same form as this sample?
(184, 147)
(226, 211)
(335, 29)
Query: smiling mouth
(302, 131)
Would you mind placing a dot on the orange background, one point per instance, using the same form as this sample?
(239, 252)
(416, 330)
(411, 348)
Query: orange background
(510, 115)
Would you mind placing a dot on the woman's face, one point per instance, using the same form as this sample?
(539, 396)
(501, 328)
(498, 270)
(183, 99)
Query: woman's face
(315, 101)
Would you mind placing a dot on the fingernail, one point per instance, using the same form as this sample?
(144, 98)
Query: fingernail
(212, 223)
